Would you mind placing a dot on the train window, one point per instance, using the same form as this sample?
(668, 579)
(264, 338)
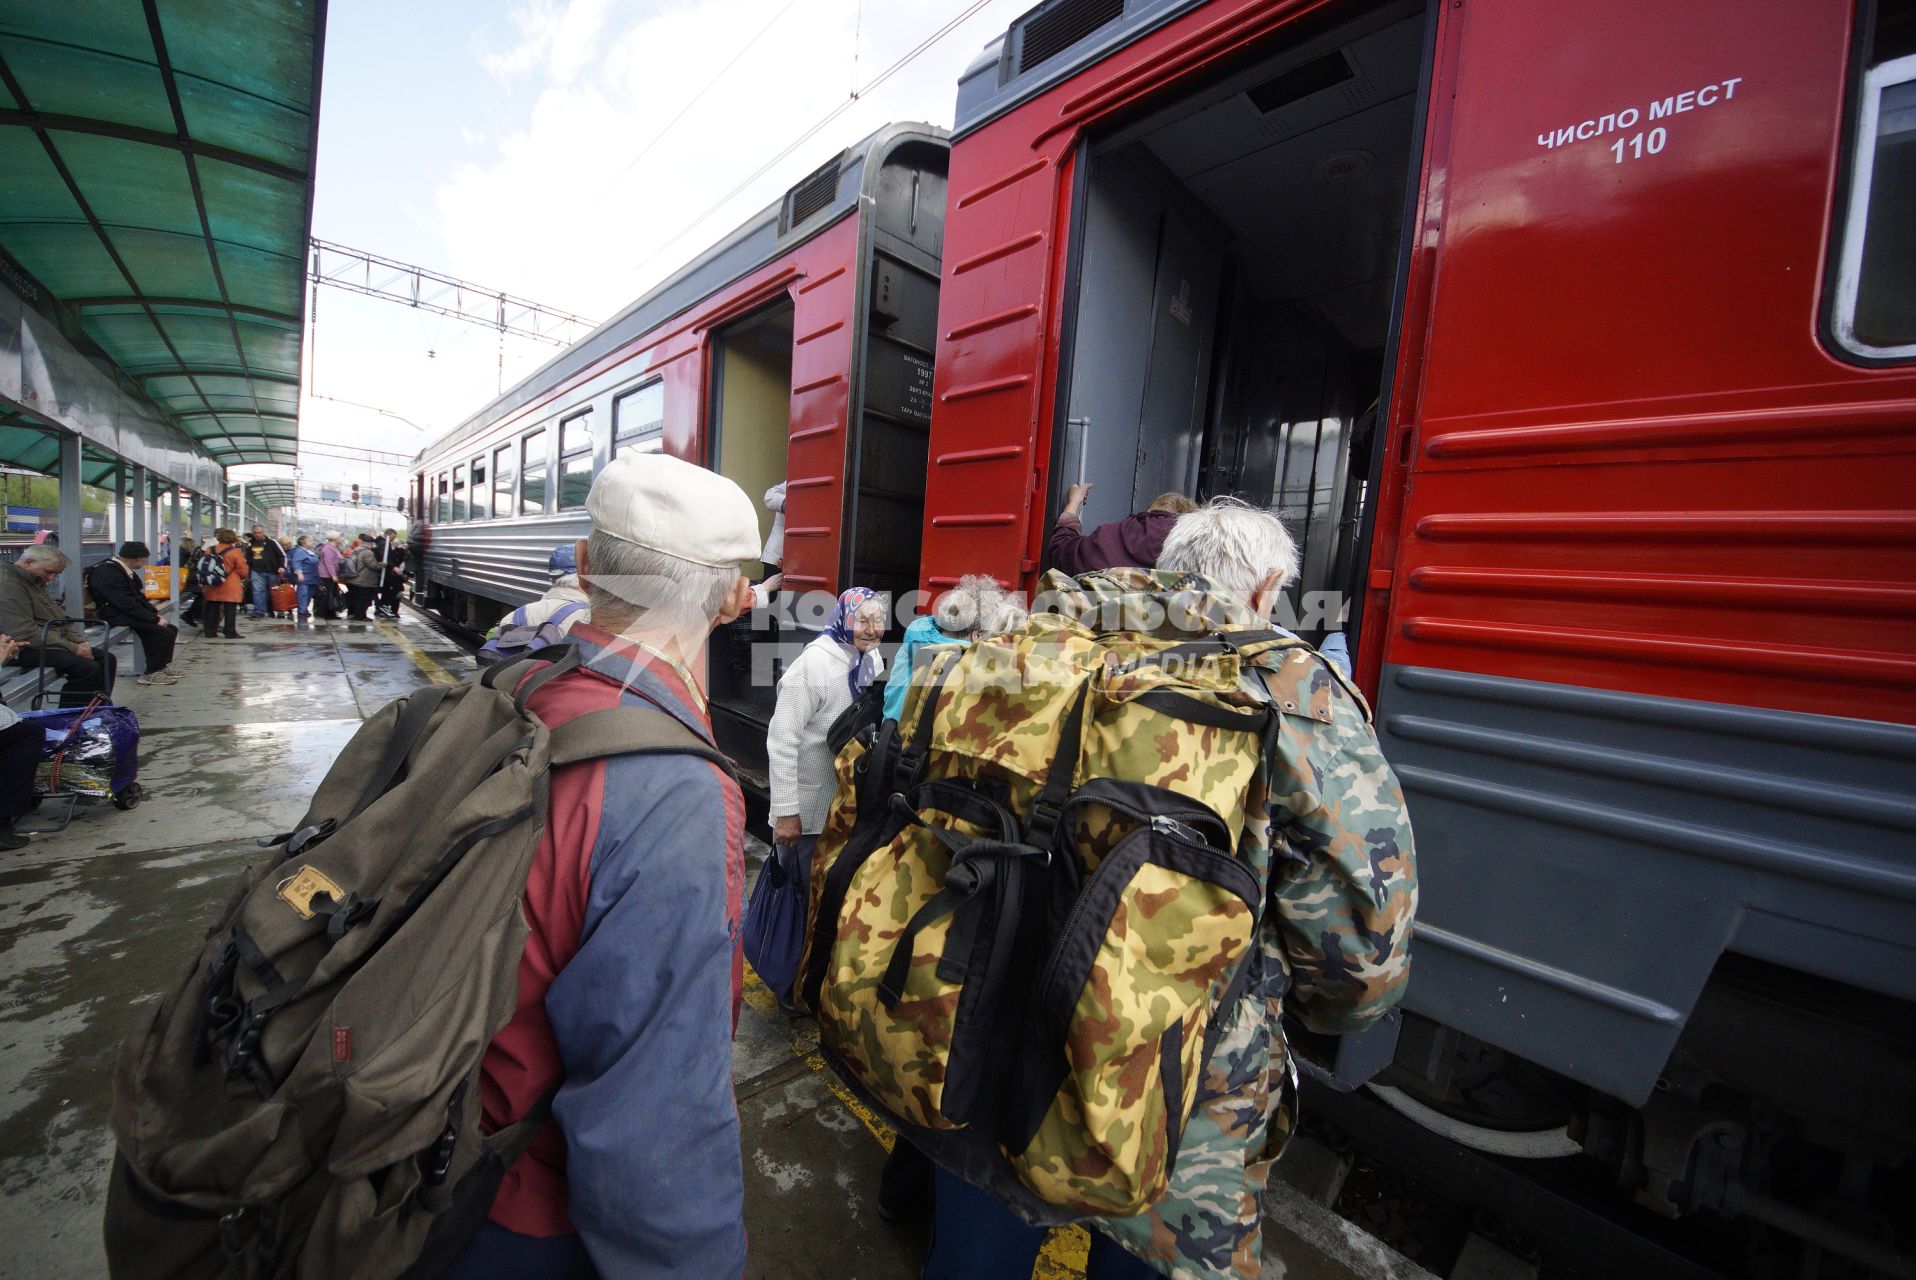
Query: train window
(480, 490)
(638, 419)
(575, 434)
(445, 498)
(1874, 316)
(532, 474)
(459, 492)
(502, 480)
(575, 460)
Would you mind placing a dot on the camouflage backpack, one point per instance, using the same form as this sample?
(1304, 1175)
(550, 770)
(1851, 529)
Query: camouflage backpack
(1034, 898)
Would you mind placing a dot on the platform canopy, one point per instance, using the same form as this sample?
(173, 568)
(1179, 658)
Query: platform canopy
(156, 179)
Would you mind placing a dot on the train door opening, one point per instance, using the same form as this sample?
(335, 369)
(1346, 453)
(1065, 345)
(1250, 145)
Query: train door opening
(1237, 270)
(750, 424)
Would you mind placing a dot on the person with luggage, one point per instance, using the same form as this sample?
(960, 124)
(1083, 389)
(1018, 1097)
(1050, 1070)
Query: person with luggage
(976, 606)
(26, 609)
(821, 684)
(266, 565)
(361, 574)
(118, 587)
(392, 583)
(553, 876)
(630, 979)
(1332, 945)
(222, 574)
(828, 674)
(547, 620)
(20, 742)
(332, 560)
(1132, 541)
(302, 563)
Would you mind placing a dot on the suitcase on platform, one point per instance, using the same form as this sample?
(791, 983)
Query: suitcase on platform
(283, 598)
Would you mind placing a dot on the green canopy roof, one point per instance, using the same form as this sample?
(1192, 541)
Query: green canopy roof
(158, 162)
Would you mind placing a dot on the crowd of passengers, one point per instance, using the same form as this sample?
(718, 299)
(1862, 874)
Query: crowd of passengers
(39, 632)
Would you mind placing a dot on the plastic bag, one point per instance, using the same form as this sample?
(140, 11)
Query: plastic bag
(89, 751)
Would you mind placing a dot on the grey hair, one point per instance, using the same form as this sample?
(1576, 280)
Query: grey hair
(627, 584)
(1232, 543)
(964, 608)
(40, 552)
(1004, 612)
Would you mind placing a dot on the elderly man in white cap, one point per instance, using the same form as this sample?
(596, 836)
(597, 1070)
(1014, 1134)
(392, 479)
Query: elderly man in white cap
(630, 980)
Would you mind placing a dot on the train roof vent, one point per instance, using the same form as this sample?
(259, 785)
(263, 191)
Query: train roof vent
(814, 192)
(1301, 81)
(1055, 26)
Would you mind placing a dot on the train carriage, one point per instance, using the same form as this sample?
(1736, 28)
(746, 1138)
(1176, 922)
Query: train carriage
(798, 349)
(1575, 343)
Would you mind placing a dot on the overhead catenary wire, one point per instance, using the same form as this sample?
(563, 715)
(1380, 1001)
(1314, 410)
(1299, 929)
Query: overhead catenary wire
(823, 123)
(696, 98)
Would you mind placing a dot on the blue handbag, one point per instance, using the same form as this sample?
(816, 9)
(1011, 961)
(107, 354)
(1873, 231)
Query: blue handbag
(774, 931)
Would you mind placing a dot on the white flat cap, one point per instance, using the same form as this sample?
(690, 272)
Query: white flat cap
(673, 506)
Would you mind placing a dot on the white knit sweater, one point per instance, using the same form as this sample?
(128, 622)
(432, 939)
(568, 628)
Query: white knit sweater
(811, 694)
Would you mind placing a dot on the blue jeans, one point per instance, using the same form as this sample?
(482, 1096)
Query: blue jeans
(262, 591)
(974, 1237)
(305, 590)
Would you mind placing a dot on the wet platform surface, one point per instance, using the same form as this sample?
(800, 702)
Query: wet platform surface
(97, 919)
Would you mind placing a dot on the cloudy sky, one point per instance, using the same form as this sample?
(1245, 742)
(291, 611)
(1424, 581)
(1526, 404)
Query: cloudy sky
(532, 146)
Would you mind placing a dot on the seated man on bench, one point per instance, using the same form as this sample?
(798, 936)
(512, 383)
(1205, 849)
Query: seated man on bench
(118, 586)
(26, 607)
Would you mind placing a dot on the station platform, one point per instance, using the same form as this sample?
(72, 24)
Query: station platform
(97, 919)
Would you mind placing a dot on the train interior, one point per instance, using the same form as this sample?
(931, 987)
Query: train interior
(1237, 271)
(751, 391)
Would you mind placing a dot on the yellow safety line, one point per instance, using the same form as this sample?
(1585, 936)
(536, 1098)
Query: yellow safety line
(1064, 1252)
(434, 672)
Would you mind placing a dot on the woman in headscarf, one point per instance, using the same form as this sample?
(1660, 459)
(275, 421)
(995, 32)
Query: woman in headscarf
(821, 682)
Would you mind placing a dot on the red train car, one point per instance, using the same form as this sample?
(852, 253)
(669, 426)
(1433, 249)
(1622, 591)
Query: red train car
(1575, 342)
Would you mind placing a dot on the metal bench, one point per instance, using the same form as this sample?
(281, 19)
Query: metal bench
(29, 689)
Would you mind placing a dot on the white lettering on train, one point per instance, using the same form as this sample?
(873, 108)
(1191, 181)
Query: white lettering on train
(1640, 145)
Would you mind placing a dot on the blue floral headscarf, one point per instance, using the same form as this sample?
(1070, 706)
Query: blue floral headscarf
(864, 665)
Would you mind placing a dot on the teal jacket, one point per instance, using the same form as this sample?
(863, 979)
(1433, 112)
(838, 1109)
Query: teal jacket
(922, 631)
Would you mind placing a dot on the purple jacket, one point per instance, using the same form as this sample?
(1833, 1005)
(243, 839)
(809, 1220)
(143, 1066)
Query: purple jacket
(1134, 540)
(330, 559)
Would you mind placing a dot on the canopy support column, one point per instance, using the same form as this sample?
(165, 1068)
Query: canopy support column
(138, 510)
(73, 578)
(174, 533)
(119, 504)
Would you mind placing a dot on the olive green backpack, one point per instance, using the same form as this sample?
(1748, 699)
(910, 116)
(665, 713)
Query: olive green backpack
(1034, 897)
(305, 1100)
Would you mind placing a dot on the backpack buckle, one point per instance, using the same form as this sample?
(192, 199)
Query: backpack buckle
(1043, 824)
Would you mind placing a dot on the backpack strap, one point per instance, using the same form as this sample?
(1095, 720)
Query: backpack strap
(410, 727)
(630, 731)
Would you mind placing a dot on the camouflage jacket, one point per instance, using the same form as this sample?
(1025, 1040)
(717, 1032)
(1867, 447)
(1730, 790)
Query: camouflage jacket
(1329, 831)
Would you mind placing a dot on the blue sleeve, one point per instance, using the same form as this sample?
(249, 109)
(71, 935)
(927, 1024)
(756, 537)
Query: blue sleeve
(643, 1019)
(899, 681)
(1337, 648)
